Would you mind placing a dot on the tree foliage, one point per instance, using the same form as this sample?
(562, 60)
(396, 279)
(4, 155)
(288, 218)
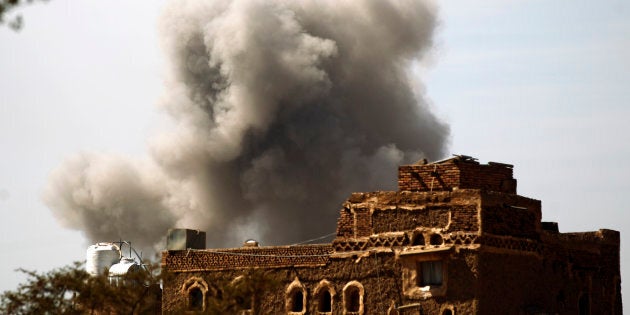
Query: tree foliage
(8, 5)
(71, 290)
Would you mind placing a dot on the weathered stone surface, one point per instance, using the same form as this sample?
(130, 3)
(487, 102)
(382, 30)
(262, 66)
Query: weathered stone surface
(455, 239)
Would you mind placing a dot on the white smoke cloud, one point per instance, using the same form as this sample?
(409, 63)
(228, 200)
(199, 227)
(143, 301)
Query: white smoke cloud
(281, 109)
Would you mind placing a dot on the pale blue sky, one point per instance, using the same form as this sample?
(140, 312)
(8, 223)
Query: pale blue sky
(80, 76)
(543, 85)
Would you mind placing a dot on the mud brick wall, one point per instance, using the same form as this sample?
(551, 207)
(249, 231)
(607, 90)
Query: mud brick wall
(345, 223)
(464, 218)
(493, 177)
(197, 260)
(494, 247)
(407, 211)
(513, 215)
(395, 220)
(504, 220)
(354, 222)
(362, 222)
(592, 258)
(551, 283)
(456, 174)
(604, 243)
(430, 177)
(379, 274)
(521, 282)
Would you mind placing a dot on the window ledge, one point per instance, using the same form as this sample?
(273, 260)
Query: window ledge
(425, 249)
(426, 292)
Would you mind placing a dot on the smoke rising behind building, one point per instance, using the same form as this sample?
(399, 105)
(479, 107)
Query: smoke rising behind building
(280, 109)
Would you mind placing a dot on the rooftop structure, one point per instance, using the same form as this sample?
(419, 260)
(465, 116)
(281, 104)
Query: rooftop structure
(455, 238)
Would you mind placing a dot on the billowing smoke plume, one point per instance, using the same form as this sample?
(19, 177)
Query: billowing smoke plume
(281, 109)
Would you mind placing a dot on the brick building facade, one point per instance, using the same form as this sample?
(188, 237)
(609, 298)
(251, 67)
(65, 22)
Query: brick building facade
(454, 239)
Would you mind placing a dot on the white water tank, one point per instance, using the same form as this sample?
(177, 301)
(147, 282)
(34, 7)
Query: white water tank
(124, 267)
(101, 256)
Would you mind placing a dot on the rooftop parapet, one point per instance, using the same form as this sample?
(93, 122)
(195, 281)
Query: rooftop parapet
(458, 172)
(246, 257)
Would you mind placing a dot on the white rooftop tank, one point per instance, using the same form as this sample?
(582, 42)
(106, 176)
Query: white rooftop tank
(124, 267)
(101, 256)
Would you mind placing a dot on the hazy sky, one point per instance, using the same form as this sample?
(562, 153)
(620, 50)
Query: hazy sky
(538, 84)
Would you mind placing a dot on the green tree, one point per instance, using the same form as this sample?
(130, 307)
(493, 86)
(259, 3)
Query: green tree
(71, 290)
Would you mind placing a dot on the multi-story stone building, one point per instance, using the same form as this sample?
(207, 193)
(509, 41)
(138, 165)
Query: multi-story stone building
(454, 239)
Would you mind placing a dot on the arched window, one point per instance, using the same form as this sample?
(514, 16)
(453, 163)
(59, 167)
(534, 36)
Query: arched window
(297, 301)
(324, 303)
(436, 239)
(195, 289)
(296, 298)
(418, 240)
(353, 298)
(447, 311)
(243, 299)
(324, 293)
(195, 299)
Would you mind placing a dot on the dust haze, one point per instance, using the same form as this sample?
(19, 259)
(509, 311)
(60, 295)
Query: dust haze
(280, 109)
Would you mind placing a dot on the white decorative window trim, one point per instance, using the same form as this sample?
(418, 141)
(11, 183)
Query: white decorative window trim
(346, 288)
(193, 283)
(239, 281)
(411, 274)
(296, 285)
(322, 286)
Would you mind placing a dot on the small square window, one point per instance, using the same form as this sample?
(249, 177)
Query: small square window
(429, 273)
(424, 274)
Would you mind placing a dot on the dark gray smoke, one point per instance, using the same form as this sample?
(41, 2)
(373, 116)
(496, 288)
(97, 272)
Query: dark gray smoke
(282, 108)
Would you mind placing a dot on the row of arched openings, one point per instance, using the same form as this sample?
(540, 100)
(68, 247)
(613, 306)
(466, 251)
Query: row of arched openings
(324, 295)
(352, 297)
(196, 290)
(434, 239)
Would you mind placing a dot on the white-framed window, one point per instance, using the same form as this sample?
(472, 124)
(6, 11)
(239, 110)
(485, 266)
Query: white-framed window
(353, 294)
(425, 274)
(296, 298)
(448, 310)
(195, 299)
(195, 289)
(244, 303)
(324, 294)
